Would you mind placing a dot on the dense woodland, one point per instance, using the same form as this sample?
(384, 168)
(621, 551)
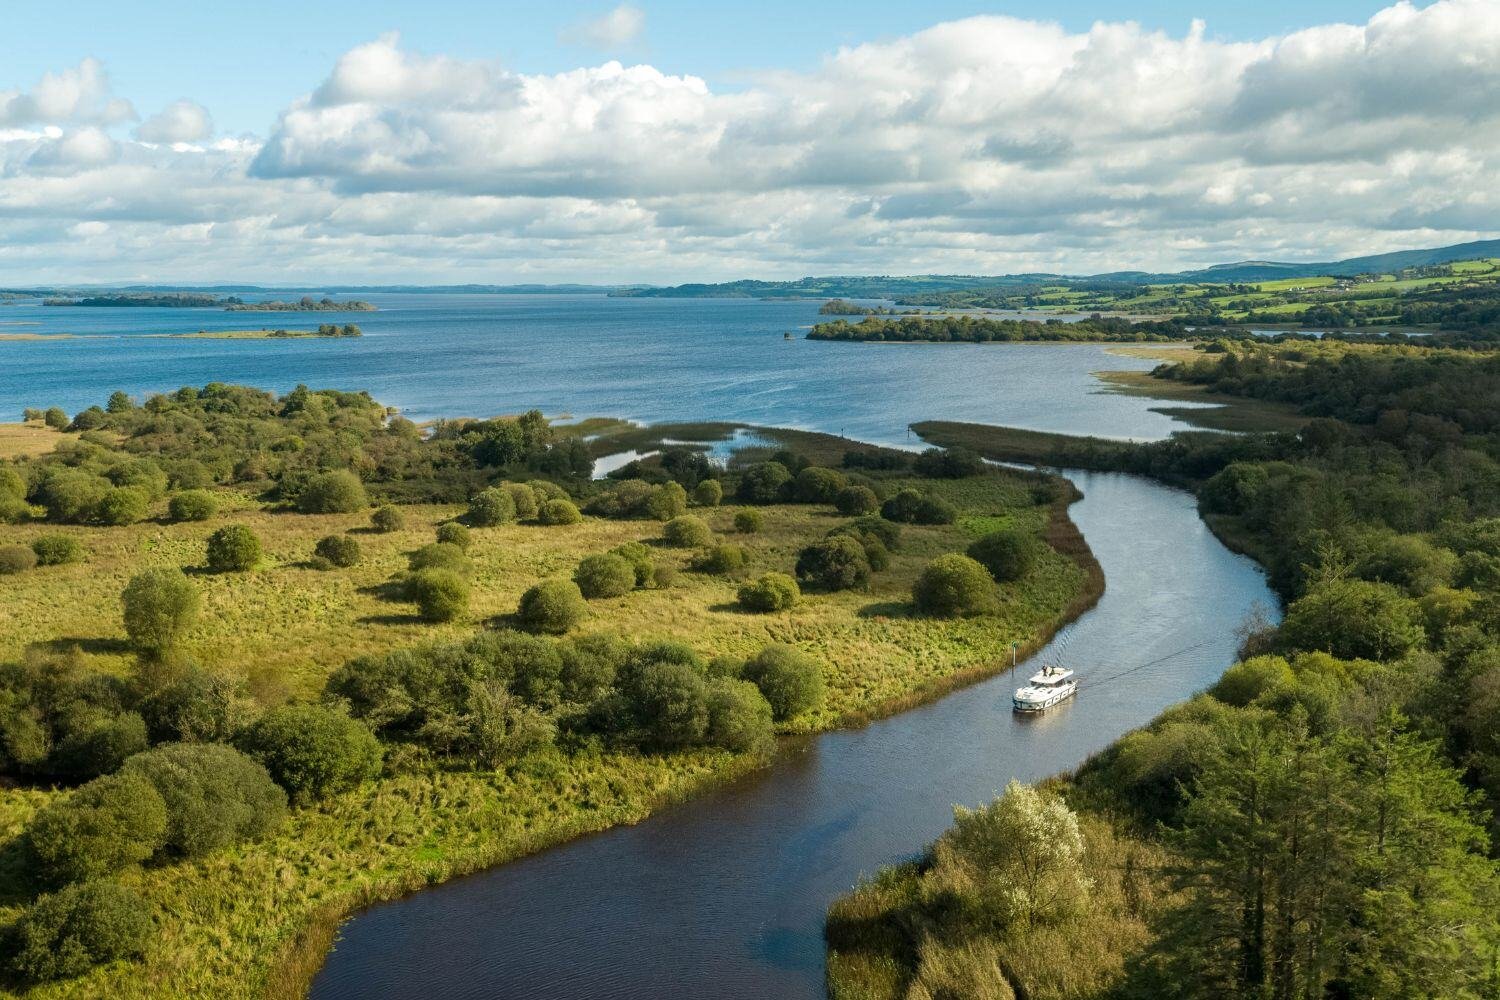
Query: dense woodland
(1321, 821)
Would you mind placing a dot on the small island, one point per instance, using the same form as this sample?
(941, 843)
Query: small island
(305, 304)
(204, 300)
(324, 330)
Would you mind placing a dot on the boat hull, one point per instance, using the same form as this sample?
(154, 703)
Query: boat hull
(1030, 705)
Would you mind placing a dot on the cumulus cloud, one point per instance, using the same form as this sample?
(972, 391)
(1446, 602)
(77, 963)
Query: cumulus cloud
(618, 27)
(78, 95)
(180, 121)
(980, 146)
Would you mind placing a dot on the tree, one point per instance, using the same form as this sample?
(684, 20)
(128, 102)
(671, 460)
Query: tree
(120, 402)
(953, 585)
(215, 795)
(770, 592)
(767, 482)
(234, 548)
(669, 702)
(855, 501)
(910, 506)
(791, 680)
(340, 550)
(55, 418)
(160, 606)
(948, 463)
(336, 492)
(552, 606)
(441, 594)
(111, 822)
(71, 931)
(835, 563)
(387, 519)
(667, 501)
(1353, 619)
(1008, 554)
(739, 717)
(604, 575)
(197, 706)
(1018, 860)
(558, 512)
(687, 532)
(817, 485)
(708, 493)
(192, 505)
(312, 751)
(492, 507)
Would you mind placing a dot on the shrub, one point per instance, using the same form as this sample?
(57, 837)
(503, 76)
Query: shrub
(215, 795)
(817, 485)
(721, 560)
(336, 492)
(639, 557)
(160, 605)
(708, 493)
(1007, 554)
(1244, 682)
(771, 592)
(668, 699)
(558, 512)
(71, 931)
(312, 751)
(886, 532)
(189, 474)
(767, 482)
(441, 594)
(589, 666)
(948, 463)
(439, 555)
(122, 505)
(552, 606)
(192, 505)
(748, 522)
(545, 490)
(453, 533)
(16, 559)
(72, 495)
(196, 707)
(54, 550)
(687, 532)
(854, 501)
(953, 585)
(234, 548)
(630, 498)
(491, 507)
(739, 717)
(836, 563)
(98, 741)
(605, 575)
(91, 419)
(340, 550)
(387, 518)
(791, 680)
(1353, 620)
(103, 826)
(55, 418)
(524, 497)
(912, 507)
(667, 501)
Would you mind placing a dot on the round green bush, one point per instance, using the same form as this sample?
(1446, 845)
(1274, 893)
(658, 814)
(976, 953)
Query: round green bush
(524, 497)
(122, 505)
(791, 680)
(747, 521)
(668, 699)
(604, 575)
(54, 550)
(953, 585)
(770, 592)
(453, 533)
(189, 474)
(546, 490)
(641, 561)
(340, 550)
(160, 605)
(911, 507)
(439, 555)
(687, 532)
(103, 826)
(234, 548)
(336, 492)
(491, 507)
(215, 795)
(55, 418)
(192, 505)
(836, 563)
(69, 932)
(739, 717)
(72, 495)
(16, 559)
(855, 501)
(552, 606)
(558, 512)
(667, 501)
(875, 526)
(708, 493)
(98, 741)
(1007, 554)
(12, 484)
(721, 560)
(312, 751)
(768, 482)
(387, 518)
(441, 594)
(818, 485)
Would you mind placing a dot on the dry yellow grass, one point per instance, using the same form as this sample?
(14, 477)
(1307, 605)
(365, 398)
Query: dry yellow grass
(25, 440)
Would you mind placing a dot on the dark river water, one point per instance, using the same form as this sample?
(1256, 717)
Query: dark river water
(724, 896)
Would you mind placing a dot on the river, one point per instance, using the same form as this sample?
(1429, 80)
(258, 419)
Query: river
(724, 895)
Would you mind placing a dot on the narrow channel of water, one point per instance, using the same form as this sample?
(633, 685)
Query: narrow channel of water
(724, 896)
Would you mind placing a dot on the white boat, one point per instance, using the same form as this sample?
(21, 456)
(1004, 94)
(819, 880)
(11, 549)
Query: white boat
(1045, 689)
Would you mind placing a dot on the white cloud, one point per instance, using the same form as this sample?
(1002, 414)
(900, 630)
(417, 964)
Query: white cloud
(618, 27)
(180, 121)
(78, 95)
(986, 145)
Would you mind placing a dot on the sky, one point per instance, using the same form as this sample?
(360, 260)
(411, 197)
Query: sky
(382, 142)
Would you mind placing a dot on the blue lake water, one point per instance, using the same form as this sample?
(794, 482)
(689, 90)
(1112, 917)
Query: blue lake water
(586, 355)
